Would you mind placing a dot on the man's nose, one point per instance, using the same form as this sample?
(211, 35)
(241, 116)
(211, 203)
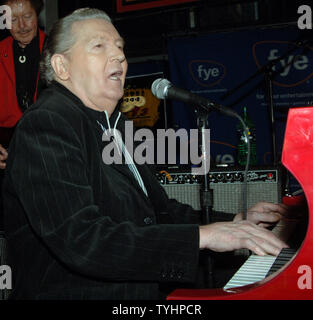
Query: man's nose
(118, 54)
(120, 58)
(21, 23)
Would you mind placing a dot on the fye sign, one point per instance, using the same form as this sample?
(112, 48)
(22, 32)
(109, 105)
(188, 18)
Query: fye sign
(296, 63)
(205, 66)
(5, 17)
(207, 73)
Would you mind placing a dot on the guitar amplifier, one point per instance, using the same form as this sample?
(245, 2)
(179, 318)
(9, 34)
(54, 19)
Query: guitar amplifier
(264, 184)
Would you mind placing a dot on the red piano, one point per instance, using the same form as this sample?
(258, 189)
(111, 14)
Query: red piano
(294, 280)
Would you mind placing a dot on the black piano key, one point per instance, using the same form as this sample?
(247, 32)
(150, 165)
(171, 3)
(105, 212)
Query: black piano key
(284, 256)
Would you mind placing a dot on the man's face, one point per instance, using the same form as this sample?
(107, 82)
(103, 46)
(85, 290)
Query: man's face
(96, 64)
(24, 22)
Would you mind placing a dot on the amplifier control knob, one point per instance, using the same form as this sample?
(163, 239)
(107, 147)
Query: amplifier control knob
(237, 176)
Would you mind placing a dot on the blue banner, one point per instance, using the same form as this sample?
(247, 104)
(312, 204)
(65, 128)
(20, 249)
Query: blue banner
(212, 65)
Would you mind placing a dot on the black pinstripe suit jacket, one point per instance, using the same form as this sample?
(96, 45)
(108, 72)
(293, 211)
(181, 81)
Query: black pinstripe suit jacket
(80, 229)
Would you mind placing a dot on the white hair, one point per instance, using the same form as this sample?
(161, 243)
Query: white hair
(61, 38)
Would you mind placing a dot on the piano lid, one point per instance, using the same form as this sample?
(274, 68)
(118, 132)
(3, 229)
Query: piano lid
(295, 279)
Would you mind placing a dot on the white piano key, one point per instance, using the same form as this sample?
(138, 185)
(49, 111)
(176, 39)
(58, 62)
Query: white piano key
(253, 270)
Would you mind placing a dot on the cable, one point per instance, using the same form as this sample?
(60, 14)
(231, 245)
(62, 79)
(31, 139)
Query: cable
(244, 195)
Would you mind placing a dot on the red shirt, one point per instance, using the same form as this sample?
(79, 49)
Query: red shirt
(10, 112)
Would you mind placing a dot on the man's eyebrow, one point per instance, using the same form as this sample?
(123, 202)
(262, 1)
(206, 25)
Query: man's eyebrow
(96, 37)
(121, 40)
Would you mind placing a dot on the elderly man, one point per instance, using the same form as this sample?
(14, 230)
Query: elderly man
(19, 70)
(78, 228)
(19, 66)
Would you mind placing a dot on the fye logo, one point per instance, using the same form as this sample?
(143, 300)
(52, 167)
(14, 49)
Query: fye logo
(291, 70)
(207, 73)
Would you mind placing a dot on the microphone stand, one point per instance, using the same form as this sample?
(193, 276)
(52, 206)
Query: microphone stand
(206, 194)
(269, 75)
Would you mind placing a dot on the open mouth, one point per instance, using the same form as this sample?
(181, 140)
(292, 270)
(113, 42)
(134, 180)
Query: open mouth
(116, 76)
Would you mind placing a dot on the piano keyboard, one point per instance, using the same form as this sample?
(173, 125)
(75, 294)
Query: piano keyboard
(257, 268)
(284, 256)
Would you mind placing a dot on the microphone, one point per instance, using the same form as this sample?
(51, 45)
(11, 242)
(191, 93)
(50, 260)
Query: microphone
(162, 89)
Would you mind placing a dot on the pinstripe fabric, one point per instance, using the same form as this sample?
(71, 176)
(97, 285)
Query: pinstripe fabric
(121, 146)
(79, 229)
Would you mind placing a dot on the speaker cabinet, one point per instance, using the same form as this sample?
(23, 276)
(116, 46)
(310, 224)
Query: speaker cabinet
(264, 184)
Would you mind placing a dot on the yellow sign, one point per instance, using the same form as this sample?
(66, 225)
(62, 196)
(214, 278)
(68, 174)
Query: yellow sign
(141, 106)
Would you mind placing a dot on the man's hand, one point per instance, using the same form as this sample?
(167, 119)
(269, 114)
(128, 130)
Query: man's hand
(3, 157)
(264, 214)
(229, 236)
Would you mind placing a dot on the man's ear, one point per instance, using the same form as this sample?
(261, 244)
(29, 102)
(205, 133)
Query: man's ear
(60, 66)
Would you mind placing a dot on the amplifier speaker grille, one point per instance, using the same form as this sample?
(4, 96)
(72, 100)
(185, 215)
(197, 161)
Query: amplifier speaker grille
(185, 193)
(227, 185)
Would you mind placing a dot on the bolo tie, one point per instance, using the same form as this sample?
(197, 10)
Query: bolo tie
(22, 58)
(25, 96)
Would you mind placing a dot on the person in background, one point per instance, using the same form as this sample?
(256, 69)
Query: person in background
(80, 228)
(19, 66)
(20, 55)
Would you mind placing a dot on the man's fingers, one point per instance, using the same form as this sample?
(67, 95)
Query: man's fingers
(3, 152)
(268, 207)
(229, 236)
(265, 217)
(3, 157)
(255, 247)
(265, 234)
(259, 246)
(263, 241)
(266, 225)
(264, 247)
(276, 208)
